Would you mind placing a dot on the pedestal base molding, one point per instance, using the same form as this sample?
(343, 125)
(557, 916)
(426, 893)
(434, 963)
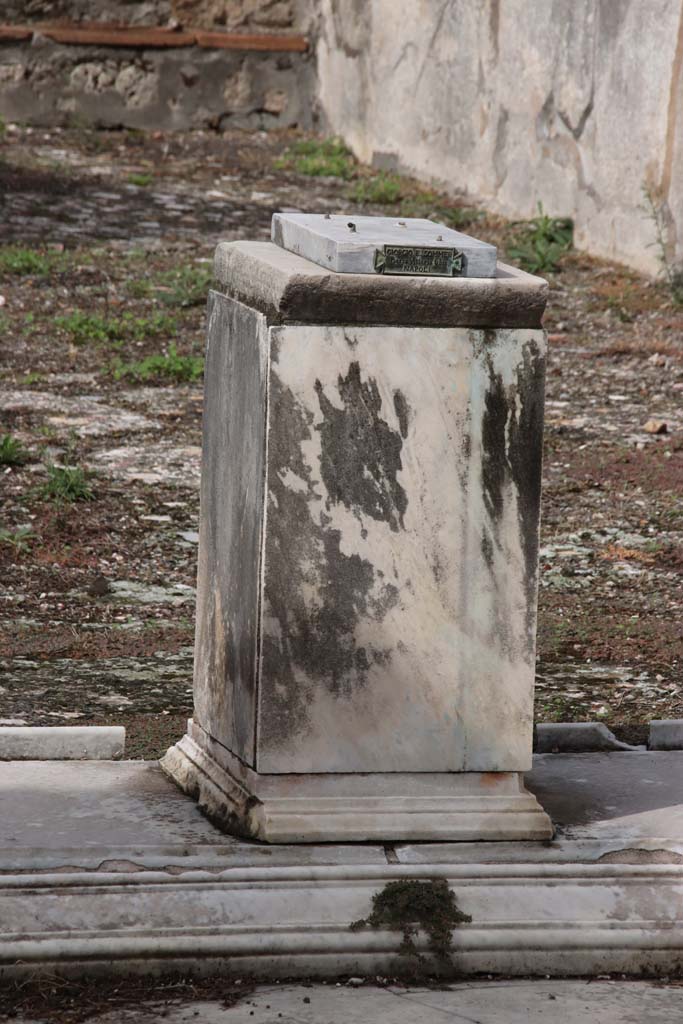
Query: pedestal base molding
(348, 807)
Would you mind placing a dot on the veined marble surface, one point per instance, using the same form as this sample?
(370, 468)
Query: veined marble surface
(399, 572)
(395, 491)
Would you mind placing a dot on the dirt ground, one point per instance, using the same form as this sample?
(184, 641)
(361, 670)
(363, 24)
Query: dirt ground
(98, 595)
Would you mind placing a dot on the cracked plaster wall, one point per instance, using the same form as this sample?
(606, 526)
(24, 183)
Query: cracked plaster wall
(575, 104)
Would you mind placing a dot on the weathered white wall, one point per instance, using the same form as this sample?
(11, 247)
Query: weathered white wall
(576, 103)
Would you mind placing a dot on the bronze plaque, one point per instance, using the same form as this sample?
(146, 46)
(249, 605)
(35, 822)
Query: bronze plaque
(427, 261)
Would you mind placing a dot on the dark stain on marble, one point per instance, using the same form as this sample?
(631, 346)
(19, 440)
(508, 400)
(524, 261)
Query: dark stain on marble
(361, 454)
(315, 594)
(512, 441)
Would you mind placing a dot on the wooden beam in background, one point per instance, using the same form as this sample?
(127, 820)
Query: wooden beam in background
(93, 34)
(239, 41)
(11, 33)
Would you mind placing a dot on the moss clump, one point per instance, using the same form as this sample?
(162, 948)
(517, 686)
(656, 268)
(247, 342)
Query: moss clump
(316, 158)
(171, 366)
(15, 259)
(412, 906)
(381, 188)
(12, 452)
(67, 483)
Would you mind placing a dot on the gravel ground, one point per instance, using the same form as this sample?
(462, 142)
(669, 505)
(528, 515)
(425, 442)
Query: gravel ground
(96, 596)
(354, 1001)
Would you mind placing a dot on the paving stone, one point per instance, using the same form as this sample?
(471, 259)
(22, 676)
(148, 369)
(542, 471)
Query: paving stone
(666, 734)
(483, 1002)
(627, 794)
(114, 804)
(576, 737)
(132, 215)
(96, 803)
(63, 690)
(131, 592)
(470, 1002)
(163, 463)
(62, 743)
(87, 416)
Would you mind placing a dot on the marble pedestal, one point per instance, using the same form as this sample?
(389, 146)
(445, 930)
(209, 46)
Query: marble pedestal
(368, 554)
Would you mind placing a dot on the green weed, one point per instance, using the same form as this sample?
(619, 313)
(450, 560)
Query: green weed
(171, 366)
(382, 188)
(319, 157)
(47, 432)
(88, 327)
(541, 243)
(67, 483)
(12, 452)
(139, 328)
(141, 180)
(32, 378)
(672, 272)
(83, 327)
(3, 126)
(19, 539)
(139, 287)
(459, 216)
(433, 206)
(15, 259)
(387, 188)
(616, 305)
(187, 286)
(559, 709)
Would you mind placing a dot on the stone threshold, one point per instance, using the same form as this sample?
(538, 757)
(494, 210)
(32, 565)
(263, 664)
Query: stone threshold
(134, 37)
(106, 867)
(581, 912)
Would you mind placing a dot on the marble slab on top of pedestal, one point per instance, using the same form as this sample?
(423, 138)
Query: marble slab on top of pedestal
(368, 548)
(366, 245)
